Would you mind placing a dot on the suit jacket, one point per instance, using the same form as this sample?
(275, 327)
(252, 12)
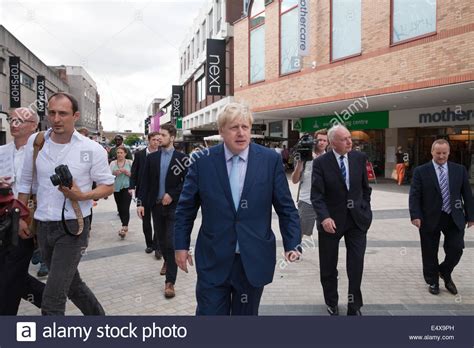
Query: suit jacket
(207, 186)
(138, 167)
(330, 196)
(425, 196)
(150, 180)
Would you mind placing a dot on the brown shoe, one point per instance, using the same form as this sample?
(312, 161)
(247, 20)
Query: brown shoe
(169, 290)
(163, 269)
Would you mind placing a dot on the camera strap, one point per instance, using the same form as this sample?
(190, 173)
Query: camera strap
(80, 218)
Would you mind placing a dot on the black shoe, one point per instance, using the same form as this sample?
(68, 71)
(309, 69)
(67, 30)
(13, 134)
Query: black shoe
(351, 311)
(449, 284)
(158, 254)
(149, 250)
(333, 310)
(434, 289)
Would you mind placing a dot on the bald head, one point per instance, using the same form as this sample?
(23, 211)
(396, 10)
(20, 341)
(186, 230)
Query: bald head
(23, 122)
(25, 114)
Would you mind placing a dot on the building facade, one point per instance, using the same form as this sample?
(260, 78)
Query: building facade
(395, 72)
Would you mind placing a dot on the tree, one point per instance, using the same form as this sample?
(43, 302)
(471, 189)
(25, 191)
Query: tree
(132, 140)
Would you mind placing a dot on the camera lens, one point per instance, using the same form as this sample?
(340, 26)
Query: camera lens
(55, 179)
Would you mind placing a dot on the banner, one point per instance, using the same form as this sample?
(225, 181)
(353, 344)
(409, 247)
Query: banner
(15, 89)
(215, 72)
(177, 106)
(303, 28)
(41, 96)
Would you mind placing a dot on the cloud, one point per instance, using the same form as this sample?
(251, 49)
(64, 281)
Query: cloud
(130, 48)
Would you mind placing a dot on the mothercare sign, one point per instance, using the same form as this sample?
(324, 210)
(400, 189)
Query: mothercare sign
(443, 116)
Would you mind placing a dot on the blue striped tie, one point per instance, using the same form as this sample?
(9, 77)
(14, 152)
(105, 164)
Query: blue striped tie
(343, 169)
(443, 185)
(234, 179)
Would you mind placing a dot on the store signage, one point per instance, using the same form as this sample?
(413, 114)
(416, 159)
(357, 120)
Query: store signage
(303, 27)
(15, 87)
(41, 96)
(364, 120)
(446, 116)
(177, 105)
(215, 72)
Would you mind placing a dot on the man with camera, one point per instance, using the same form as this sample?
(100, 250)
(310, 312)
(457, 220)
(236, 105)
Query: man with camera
(302, 175)
(71, 162)
(15, 281)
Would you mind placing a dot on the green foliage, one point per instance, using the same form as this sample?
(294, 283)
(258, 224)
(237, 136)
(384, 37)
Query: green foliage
(131, 140)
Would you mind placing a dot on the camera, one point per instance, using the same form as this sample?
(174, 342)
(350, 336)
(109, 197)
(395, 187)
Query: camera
(303, 150)
(62, 177)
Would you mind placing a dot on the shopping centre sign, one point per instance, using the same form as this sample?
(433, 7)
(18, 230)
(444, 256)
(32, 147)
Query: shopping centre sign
(453, 115)
(364, 120)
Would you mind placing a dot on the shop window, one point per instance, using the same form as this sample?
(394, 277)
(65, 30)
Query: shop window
(257, 41)
(211, 23)
(346, 28)
(201, 89)
(26, 80)
(412, 19)
(289, 59)
(2, 66)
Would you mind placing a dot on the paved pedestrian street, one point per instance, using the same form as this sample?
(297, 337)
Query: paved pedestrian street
(126, 280)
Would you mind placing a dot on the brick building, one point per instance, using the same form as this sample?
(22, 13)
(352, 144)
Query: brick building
(396, 72)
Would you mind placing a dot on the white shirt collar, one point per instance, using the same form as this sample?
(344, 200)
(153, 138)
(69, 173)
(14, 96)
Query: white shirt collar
(75, 135)
(339, 155)
(243, 155)
(436, 165)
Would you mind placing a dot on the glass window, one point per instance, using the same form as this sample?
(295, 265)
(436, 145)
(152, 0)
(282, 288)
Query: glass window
(218, 15)
(198, 43)
(257, 13)
(201, 89)
(346, 28)
(2, 66)
(192, 49)
(203, 37)
(257, 54)
(211, 23)
(26, 80)
(289, 41)
(412, 18)
(287, 4)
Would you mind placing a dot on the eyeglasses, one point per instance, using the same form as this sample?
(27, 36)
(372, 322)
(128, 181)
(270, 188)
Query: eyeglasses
(17, 121)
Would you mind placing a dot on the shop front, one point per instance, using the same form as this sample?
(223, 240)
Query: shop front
(367, 130)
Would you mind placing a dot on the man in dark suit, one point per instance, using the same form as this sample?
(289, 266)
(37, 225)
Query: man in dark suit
(441, 201)
(235, 184)
(340, 195)
(138, 166)
(160, 187)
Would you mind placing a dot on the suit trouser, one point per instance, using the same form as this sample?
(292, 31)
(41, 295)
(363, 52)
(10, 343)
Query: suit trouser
(151, 238)
(163, 221)
(235, 297)
(62, 252)
(453, 248)
(356, 242)
(15, 281)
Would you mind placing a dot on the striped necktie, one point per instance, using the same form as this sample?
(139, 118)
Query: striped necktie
(343, 169)
(444, 186)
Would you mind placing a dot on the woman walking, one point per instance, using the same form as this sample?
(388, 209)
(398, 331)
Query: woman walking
(121, 169)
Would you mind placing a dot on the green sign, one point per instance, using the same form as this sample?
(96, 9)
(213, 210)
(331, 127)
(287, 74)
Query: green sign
(297, 125)
(364, 120)
(179, 123)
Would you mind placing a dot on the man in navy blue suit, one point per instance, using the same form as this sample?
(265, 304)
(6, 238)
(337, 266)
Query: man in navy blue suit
(235, 184)
(441, 201)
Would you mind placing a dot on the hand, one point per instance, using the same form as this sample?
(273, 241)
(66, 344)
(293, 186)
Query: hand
(73, 193)
(416, 222)
(181, 257)
(329, 225)
(292, 256)
(470, 223)
(166, 199)
(141, 212)
(23, 231)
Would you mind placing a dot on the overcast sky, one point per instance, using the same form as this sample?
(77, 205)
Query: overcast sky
(130, 48)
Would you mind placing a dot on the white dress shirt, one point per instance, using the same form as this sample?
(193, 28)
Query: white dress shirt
(87, 162)
(346, 163)
(17, 156)
(445, 168)
(243, 161)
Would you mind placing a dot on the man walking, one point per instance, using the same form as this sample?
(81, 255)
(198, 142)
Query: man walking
(138, 166)
(441, 201)
(160, 187)
(340, 195)
(235, 184)
(62, 210)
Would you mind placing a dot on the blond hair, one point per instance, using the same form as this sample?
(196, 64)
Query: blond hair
(233, 111)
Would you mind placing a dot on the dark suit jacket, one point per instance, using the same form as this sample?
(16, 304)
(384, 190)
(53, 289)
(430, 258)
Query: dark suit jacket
(329, 194)
(138, 167)
(150, 180)
(207, 186)
(426, 201)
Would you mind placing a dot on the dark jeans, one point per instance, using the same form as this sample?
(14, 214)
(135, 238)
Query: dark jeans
(15, 281)
(151, 239)
(123, 200)
(62, 252)
(453, 248)
(163, 221)
(235, 297)
(356, 242)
